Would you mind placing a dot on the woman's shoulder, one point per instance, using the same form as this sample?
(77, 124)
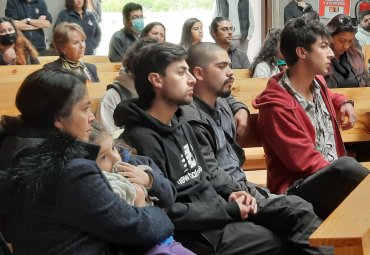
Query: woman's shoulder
(56, 63)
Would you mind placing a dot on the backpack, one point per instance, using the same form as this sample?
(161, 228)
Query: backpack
(122, 91)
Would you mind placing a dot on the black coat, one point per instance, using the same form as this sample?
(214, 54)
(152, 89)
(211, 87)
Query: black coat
(91, 67)
(57, 201)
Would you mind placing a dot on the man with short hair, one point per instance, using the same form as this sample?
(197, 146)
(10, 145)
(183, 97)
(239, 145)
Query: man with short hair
(133, 21)
(213, 214)
(30, 16)
(222, 31)
(240, 13)
(363, 28)
(297, 122)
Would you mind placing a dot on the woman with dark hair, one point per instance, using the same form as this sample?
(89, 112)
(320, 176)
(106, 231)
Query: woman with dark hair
(15, 48)
(348, 68)
(192, 33)
(76, 13)
(155, 30)
(69, 41)
(54, 197)
(265, 63)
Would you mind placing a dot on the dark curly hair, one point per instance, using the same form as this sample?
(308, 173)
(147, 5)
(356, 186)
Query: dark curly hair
(269, 51)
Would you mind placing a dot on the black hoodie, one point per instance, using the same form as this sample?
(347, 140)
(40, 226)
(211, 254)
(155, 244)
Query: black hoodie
(201, 199)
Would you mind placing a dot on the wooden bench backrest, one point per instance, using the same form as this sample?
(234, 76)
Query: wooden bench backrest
(8, 93)
(241, 73)
(87, 58)
(366, 51)
(24, 70)
(348, 227)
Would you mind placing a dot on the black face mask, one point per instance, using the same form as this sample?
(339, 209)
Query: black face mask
(8, 39)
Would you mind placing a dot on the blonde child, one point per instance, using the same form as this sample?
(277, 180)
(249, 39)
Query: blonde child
(133, 178)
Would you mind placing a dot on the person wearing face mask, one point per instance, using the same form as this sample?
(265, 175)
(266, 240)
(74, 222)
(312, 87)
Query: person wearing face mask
(31, 17)
(15, 49)
(133, 21)
(363, 29)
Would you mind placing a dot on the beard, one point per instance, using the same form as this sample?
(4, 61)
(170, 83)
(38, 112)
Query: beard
(225, 92)
(367, 28)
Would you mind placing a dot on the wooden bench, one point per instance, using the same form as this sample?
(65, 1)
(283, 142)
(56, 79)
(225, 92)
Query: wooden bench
(347, 229)
(8, 93)
(241, 73)
(24, 70)
(87, 58)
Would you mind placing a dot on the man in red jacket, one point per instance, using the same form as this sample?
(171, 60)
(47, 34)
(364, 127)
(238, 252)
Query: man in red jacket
(297, 122)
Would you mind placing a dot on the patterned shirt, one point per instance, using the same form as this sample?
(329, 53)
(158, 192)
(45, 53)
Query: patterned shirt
(319, 117)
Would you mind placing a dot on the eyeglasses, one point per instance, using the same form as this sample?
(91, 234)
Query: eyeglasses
(225, 29)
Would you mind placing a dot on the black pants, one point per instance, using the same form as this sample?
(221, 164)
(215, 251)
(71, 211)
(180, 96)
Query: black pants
(282, 225)
(328, 187)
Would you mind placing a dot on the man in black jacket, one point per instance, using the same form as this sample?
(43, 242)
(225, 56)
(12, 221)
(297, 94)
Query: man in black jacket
(213, 213)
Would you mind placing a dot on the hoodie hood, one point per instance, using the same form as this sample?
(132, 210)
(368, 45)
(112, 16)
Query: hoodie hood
(361, 30)
(274, 94)
(129, 114)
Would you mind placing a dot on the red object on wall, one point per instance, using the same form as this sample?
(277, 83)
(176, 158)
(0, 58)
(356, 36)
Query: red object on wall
(364, 6)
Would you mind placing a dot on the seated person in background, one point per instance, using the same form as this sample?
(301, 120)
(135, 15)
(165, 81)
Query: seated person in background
(363, 28)
(222, 30)
(154, 30)
(15, 49)
(69, 41)
(121, 89)
(31, 17)
(265, 64)
(192, 33)
(213, 214)
(54, 197)
(297, 122)
(133, 22)
(348, 66)
(132, 178)
(76, 13)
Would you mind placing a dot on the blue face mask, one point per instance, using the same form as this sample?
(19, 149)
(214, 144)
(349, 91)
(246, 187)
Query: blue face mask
(138, 24)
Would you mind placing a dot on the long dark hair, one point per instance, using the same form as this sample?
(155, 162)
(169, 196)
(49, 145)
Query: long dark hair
(343, 23)
(186, 38)
(48, 94)
(269, 51)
